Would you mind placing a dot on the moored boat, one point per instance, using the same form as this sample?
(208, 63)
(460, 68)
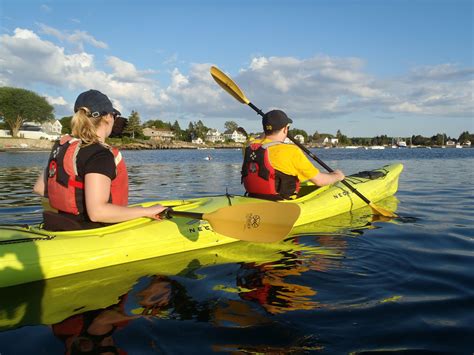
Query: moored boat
(30, 253)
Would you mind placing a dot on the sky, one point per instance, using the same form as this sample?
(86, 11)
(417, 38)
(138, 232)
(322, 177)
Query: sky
(364, 67)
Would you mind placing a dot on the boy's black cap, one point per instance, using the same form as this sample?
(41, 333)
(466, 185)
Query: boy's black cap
(275, 119)
(97, 103)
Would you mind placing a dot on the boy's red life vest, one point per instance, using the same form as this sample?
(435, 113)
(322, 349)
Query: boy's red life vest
(65, 188)
(261, 179)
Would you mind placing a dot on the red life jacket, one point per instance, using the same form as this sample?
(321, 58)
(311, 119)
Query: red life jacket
(259, 177)
(64, 187)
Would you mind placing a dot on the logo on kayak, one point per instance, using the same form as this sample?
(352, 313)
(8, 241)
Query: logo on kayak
(341, 194)
(252, 221)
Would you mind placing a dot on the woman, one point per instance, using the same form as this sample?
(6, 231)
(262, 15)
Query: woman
(86, 180)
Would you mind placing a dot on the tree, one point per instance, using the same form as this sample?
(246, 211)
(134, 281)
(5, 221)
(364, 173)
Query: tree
(19, 105)
(230, 126)
(296, 131)
(178, 132)
(315, 136)
(66, 123)
(465, 136)
(439, 139)
(134, 127)
(158, 124)
(342, 139)
(200, 129)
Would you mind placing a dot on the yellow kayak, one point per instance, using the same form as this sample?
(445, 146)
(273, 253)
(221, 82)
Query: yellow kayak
(30, 253)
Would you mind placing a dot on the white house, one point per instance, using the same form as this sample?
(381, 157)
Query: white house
(48, 130)
(299, 138)
(214, 136)
(52, 127)
(197, 141)
(326, 141)
(236, 136)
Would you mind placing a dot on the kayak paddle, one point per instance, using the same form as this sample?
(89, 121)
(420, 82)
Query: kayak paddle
(255, 222)
(228, 85)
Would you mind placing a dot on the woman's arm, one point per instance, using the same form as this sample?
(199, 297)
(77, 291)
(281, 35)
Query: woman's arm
(97, 192)
(39, 185)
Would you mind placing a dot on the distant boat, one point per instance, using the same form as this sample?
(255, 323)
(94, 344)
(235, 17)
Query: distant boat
(377, 147)
(351, 147)
(458, 146)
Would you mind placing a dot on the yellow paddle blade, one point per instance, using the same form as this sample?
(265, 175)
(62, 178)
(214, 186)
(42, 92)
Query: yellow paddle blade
(257, 222)
(228, 85)
(382, 211)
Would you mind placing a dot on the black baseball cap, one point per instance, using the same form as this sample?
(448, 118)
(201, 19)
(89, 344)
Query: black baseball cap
(274, 120)
(97, 103)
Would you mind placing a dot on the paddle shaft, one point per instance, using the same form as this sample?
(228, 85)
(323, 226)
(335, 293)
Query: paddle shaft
(319, 161)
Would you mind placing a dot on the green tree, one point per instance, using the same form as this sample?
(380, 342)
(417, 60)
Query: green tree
(296, 131)
(439, 139)
(315, 136)
(134, 127)
(200, 129)
(19, 105)
(66, 123)
(178, 132)
(343, 140)
(230, 126)
(158, 124)
(465, 136)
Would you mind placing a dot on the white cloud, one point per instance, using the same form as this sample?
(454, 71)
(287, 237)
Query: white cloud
(77, 38)
(45, 8)
(56, 101)
(127, 72)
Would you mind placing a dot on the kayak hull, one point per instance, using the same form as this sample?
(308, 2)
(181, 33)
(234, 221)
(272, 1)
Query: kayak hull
(31, 253)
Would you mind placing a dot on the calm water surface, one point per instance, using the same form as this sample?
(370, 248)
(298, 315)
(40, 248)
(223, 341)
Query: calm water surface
(404, 285)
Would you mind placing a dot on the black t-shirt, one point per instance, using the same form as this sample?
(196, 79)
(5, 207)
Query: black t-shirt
(95, 158)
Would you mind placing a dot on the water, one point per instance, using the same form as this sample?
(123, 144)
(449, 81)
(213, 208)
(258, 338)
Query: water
(405, 285)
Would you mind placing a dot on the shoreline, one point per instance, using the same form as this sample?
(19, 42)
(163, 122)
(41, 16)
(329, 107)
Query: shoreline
(41, 145)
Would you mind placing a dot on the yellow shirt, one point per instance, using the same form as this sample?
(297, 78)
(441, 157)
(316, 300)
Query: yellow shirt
(289, 159)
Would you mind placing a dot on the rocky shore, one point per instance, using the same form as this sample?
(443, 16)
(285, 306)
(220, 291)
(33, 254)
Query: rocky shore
(25, 144)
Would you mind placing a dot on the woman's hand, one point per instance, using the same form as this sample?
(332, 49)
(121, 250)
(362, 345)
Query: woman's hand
(154, 211)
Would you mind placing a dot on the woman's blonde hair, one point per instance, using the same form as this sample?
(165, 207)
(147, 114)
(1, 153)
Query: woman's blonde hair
(84, 126)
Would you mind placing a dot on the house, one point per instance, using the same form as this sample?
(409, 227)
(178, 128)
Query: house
(159, 134)
(197, 141)
(235, 136)
(322, 141)
(466, 144)
(214, 136)
(299, 138)
(327, 141)
(450, 143)
(52, 127)
(48, 130)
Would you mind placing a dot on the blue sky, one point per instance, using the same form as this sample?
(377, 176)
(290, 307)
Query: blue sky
(364, 67)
